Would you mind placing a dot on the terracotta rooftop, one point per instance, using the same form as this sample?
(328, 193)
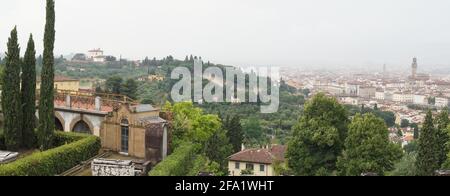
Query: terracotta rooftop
(266, 156)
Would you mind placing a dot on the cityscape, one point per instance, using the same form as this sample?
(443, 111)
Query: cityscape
(72, 108)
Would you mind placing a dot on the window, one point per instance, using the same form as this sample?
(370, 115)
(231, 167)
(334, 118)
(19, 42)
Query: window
(125, 131)
(237, 165)
(250, 167)
(262, 168)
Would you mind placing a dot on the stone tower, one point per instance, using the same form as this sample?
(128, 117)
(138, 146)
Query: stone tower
(414, 68)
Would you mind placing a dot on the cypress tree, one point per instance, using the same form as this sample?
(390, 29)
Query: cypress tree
(29, 95)
(442, 122)
(234, 132)
(11, 95)
(46, 104)
(428, 155)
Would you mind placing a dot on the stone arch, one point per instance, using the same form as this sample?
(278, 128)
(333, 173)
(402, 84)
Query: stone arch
(81, 118)
(59, 117)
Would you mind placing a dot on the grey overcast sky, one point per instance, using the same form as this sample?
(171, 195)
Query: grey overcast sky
(245, 32)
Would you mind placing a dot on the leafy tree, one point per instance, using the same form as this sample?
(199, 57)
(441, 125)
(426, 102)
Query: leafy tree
(412, 147)
(367, 148)
(114, 84)
(190, 124)
(406, 166)
(318, 137)
(253, 131)
(218, 148)
(442, 121)
(129, 88)
(428, 155)
(11, 102)
(234, 132)
(29, 95)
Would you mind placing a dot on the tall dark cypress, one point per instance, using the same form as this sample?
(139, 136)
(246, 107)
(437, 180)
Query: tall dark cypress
(29, 95)
(11, 95)
(442, 121)
(46, 105)
(428, 155)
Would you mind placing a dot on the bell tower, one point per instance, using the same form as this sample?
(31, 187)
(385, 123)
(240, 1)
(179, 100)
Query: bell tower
(414, 68)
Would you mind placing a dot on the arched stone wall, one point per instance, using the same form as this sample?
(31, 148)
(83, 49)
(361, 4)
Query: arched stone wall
(82, 118)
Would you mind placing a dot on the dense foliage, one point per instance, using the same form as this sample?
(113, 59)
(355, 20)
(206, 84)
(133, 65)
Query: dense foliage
(367, 148)
(46, 102)
(57, 160)
(179, 163)
(318, 137)
(406, 166)
(11, 102)
(442, 121)
(388, 117)
(28, 95)
(428, 154)
(203, 130)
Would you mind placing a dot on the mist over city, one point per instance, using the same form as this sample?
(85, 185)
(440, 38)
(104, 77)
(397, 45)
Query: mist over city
(308, 34)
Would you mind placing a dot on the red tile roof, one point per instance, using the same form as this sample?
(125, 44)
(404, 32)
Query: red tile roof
(266, 156)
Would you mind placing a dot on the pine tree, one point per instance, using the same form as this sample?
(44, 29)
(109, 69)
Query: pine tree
(29, 95)
(46, 104)
(428, 155)
(11, 104)
(442, 121)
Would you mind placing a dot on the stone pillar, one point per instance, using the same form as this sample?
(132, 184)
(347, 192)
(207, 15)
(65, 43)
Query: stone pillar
(98, 103)
(68, 101)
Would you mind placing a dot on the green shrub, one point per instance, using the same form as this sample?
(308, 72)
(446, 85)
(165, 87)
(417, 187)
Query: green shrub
(202, 164)
(57, 160)
(179, 163)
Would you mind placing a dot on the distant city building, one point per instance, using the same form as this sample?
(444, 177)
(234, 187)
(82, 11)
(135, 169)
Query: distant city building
(442, 102)
(367, 92)
(402, 98)
(417, 76)
(260, 162)
(420, 100)
(96, 55)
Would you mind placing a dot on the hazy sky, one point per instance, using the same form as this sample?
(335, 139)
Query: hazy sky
(245, 32)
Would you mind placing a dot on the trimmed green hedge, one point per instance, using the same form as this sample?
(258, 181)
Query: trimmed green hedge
(77, 148)
(179, 163)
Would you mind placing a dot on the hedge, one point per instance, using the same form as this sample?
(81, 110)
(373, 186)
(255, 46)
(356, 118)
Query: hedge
(179, 163)
(55, 161)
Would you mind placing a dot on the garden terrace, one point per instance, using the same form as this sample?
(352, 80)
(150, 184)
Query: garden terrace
(70, 150)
